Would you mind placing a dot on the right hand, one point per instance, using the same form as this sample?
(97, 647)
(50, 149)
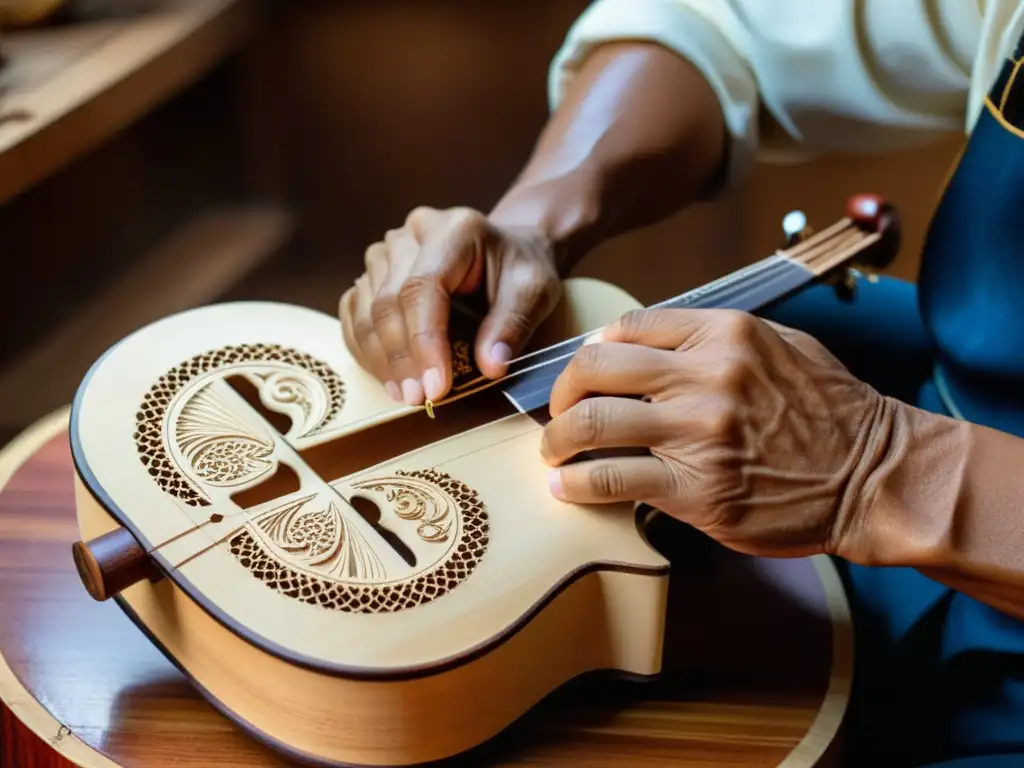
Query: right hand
(395, 318)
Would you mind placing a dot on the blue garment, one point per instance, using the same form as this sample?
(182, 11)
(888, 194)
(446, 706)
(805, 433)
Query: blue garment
(973, 265)
(940, 676)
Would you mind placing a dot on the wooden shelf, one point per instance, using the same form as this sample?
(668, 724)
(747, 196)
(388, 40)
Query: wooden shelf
(196, 265)
(68, 88)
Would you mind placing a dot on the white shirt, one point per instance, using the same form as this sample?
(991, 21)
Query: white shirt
(833, 75)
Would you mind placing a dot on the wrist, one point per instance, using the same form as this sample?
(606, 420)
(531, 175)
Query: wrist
(904, 503)
(564, 213)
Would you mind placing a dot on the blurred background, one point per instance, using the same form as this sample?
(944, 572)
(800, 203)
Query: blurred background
(161, 154)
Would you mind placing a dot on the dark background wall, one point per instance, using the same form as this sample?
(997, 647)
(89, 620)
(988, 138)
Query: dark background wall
(392, 106)
(351, 112)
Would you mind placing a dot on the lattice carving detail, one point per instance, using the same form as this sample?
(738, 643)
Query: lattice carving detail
(152, 414)
(336, 594)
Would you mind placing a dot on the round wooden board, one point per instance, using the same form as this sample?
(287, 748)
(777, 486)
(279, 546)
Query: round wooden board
(758, 660)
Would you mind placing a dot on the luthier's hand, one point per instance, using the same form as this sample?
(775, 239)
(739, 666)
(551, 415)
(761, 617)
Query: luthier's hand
(395, 318)
(757, 435)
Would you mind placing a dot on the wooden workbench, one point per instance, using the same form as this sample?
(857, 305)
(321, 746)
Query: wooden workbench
(68, 90)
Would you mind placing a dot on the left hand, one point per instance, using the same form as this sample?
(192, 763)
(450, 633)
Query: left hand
(757, 435)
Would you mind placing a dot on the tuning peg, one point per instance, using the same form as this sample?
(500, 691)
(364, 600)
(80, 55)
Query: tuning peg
(874, 213)
(845, 285)
(866, 210)
(794, 228)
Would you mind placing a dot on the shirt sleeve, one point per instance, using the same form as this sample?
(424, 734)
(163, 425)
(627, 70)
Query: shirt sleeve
(800, 77)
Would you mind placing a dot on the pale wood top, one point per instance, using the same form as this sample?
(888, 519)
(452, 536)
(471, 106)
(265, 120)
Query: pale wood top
(535, 543)
(66, 89)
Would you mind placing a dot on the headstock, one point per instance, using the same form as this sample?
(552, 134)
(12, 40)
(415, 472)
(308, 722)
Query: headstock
(871, 215)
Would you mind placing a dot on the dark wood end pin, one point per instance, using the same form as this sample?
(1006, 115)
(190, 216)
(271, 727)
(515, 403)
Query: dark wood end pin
(111, 563)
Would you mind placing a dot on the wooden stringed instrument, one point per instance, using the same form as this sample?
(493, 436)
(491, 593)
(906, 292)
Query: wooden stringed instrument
(357, 582)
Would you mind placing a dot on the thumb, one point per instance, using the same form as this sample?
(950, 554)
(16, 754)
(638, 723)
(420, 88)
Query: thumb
(525, 295)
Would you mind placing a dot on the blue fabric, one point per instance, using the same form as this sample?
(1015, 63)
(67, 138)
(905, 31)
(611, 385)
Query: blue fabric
(973, 267)
(940, 676)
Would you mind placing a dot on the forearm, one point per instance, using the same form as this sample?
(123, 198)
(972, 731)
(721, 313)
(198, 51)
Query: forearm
(638, 136)
(947, 498)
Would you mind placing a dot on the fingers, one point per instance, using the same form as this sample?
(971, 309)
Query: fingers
(357, 330)
(600, 423)
(397, 319)
(388, 317)
(346, 311)
(658, 328)
(362, 339)
(683, 329)
(448, 264)
(376, 266)
(525, 295)
(604, 481)
(377, 274)
(613, 369)
(360, 326)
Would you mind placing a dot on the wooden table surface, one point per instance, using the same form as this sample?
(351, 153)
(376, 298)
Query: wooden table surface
(758, 660)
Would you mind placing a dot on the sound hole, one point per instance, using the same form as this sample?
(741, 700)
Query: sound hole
(279, 421)
(335, 459)
(370, 512)
(284, 482)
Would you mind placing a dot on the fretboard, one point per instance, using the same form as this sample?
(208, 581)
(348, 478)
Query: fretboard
(530, 378)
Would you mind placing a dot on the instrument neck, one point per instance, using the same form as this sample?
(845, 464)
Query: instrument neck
(530, 378)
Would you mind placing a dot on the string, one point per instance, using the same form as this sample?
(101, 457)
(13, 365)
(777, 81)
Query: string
(817, 255)
(780, 259)
(248, 515)
(752, 270)
(567, 348)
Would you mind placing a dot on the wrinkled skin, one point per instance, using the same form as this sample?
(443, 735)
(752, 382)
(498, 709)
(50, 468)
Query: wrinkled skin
(757, 435)
(395, 318)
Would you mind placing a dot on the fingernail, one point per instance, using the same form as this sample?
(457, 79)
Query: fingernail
(393, 392)
(432, 383)
(555, 483)
(545, 453)
(594, 338)
(501, 352)
(412, 392)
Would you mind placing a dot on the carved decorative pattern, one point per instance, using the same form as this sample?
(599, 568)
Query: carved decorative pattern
(292, 394)
(320, 540)
(413, 500)
(285, 387)
(221, 445)
(328, 586)
(461, 364)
